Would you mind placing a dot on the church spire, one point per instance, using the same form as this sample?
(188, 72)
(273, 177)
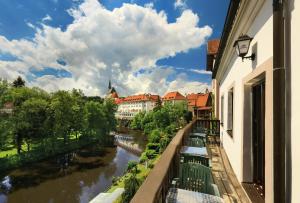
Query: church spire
(109, 85)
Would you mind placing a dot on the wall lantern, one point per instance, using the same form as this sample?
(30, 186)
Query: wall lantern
(242, 45)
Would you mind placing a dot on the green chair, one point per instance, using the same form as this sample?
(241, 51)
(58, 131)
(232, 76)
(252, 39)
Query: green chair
(185, 158)
(195, 142)
(197, 177)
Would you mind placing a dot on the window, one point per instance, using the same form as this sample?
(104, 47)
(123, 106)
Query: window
(230, 112)
(222, 109)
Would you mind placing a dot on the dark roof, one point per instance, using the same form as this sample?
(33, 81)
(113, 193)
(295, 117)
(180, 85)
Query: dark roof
(231, 14)
(212, 50)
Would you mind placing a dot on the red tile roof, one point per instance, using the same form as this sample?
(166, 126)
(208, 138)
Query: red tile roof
(213, 46)
(173, 96)
(198, 100)
(114, 95)
(212, 50)
(202, 100)
(138, 98)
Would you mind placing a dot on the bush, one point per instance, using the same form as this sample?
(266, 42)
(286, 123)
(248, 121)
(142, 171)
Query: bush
(188, 116)
(148, 154)
(114, 180)
(153, 146)
(164, 141)
(143, 157)
(132, 165)
(154, 136)
(148, 128)
(131, 185)
(171, 129)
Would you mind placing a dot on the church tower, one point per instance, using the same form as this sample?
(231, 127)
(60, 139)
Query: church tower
(111, 93)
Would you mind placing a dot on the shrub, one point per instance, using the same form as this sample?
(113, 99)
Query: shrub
(143, 157)
(164, 141)
(153, 146)
(132, 165)
(131, 185)
(171, 129)
(188, 116)
(114, 180)
(154, 136)
(149, 127)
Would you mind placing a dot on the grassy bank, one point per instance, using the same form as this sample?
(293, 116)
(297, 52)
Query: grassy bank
(10, 159)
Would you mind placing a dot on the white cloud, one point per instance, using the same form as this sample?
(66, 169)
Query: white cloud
(47, 18)
(101, 44)
(201, 71)
(149, 5)
(180, 4)
(184, 86)
(30, 25)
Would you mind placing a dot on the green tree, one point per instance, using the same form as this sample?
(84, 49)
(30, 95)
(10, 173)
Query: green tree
(78, 112)
(136, 123)
(131, 185)
(62, 108)
(33, 115)
(19, 82)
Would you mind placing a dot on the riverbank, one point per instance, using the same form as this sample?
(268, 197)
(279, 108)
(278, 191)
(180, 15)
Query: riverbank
(42, 153)
(73, 177)
(143, 169)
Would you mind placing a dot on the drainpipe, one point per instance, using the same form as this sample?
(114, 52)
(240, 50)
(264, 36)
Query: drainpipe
(279, 102)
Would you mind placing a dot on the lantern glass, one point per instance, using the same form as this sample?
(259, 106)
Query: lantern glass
(243, 46)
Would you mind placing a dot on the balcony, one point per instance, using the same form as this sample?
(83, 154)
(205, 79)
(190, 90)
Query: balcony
(192, 168)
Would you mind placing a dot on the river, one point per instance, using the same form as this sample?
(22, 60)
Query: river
(68, 178)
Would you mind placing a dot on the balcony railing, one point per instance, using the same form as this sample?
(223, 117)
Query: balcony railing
(158, 182)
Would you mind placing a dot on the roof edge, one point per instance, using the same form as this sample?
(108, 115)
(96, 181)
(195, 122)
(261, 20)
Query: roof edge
(231, 14)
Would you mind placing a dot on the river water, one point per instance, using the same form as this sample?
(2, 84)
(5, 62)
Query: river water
(68, 178)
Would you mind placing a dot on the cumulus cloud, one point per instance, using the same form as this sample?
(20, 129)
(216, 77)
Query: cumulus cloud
(201, 71)
(149, 5)
(101, 44)
(180, 4)
(47, 18)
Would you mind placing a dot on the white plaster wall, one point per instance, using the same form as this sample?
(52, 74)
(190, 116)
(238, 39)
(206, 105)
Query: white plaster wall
(262, 32)
(295, 100)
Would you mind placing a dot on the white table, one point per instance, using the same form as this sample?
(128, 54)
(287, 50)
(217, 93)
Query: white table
(176, 195)
(199, 134)
(196, 151)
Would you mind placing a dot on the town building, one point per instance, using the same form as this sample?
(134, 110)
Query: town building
(173, 98)
(256, 96)
(200, 105)
(7, 108)
(212, 50)
(129, 106)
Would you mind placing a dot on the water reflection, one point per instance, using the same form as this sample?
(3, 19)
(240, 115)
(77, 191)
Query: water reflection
(73, 177)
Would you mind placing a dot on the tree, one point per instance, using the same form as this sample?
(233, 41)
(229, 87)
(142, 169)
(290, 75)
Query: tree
(131, 185)
(33, 115)
(136, 123)
(62, 108)
(78, 113)
(19, 82)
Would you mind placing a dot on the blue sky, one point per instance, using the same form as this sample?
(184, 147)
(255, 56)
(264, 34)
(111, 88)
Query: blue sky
(65, 44)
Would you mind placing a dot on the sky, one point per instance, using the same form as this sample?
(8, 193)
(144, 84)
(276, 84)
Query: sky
(142, 46)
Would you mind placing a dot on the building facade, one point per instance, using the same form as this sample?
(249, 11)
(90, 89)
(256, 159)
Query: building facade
(200, 105)
(129, 106)
(257, 100)
(173, 98)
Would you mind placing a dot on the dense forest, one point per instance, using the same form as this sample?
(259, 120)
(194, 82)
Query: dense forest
(45, 123)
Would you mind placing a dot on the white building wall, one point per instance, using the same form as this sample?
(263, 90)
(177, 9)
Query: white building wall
(130, 109)
(295, 100)
(262, 32)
